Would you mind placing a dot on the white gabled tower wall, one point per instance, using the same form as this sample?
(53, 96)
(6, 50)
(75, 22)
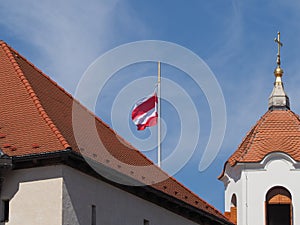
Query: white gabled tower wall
(250, 183)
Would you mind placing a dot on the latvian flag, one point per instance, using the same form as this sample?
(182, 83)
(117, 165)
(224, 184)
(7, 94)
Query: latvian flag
(144, 113)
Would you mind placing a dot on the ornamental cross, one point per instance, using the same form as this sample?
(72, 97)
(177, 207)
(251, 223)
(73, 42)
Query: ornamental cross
(277, 40)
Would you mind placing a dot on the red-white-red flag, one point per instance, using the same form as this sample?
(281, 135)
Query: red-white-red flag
(144, 113)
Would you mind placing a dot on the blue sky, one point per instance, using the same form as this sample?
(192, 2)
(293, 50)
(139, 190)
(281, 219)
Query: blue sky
(234, 38)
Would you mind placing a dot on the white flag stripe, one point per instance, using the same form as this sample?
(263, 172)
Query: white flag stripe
(144, 113)
(143, 118)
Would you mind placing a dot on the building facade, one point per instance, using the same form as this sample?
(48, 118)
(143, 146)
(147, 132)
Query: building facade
(60, 194)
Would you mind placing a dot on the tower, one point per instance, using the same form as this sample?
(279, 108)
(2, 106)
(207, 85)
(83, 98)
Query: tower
(261, 177)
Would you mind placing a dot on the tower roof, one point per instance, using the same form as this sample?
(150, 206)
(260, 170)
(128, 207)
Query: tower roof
(276, 131)
(36, 119)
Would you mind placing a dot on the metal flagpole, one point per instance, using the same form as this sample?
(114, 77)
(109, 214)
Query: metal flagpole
(158, 119)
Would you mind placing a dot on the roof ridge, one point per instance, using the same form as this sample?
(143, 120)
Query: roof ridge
(8, 50)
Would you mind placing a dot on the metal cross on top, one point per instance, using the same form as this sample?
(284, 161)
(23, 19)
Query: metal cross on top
(277, 40)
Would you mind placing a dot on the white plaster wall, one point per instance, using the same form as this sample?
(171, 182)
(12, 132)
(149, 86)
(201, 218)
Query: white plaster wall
(35, 196)
(114, 206)
(254, 183)
(235, 186)
(60, 195)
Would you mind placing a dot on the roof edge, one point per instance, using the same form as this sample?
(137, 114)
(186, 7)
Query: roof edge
(223, 171)
(187, 189)
(8, 50)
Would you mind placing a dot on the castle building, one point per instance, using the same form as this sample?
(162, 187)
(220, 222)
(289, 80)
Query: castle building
(46, 178)
(262, 176)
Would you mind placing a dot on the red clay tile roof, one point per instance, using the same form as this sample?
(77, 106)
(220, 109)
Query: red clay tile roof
(36, 117)
(23, 119)
(276, 131)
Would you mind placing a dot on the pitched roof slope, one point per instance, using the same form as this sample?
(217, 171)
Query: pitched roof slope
(25, 127)
(276, 131)
(36, 117)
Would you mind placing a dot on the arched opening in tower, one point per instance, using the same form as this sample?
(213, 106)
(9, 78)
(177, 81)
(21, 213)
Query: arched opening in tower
(279, 207)
(232, 214)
